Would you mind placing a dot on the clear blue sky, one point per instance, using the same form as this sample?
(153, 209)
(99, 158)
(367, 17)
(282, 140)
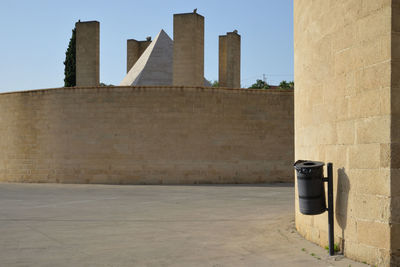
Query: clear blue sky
(35, 35)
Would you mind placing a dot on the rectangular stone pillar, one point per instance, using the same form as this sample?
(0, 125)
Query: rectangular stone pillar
(188, 64)
(229, 60)
(87, 53)
(222, 62)
(134, 50)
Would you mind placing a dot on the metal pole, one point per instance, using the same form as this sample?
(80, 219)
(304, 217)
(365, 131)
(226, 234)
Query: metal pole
(330, 210)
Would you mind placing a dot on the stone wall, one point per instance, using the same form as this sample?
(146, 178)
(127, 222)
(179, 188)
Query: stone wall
(345, 108)
(146, 135)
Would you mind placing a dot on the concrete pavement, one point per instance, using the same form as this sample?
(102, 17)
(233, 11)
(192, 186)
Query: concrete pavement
(103, 225)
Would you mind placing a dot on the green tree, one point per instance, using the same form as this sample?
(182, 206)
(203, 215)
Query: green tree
(70, 62)
(286, 85)
(260, 84)
(215, 83)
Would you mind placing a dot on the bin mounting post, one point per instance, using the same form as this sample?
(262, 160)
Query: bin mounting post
(312, 195)
(330, 210)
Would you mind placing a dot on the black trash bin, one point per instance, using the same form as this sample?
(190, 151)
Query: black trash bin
(310, 185)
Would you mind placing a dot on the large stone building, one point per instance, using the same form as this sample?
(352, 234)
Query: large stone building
(347, 112)
(150, 133)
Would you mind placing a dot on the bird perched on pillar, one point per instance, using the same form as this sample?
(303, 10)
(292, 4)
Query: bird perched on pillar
(235, 31)
(195, 10)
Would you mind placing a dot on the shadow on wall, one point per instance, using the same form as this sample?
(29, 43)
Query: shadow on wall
(342, 198)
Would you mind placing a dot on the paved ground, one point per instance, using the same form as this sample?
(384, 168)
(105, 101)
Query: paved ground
(96, 225)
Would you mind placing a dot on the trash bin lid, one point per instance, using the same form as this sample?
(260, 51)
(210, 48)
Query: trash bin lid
(308, 164)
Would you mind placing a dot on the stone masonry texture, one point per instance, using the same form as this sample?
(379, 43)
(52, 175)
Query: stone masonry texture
(229, 60)
(347, 76)
(87, 53)
(146, 135)
(188, 63)
(134, 49)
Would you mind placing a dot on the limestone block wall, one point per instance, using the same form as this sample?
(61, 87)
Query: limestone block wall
(229, 60)
(146, 135)
(87, 53)
(188, 63)
(134, 49)
(346, 76)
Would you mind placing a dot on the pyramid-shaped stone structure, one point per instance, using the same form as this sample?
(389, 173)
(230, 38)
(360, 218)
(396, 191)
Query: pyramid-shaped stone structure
(154, 67)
